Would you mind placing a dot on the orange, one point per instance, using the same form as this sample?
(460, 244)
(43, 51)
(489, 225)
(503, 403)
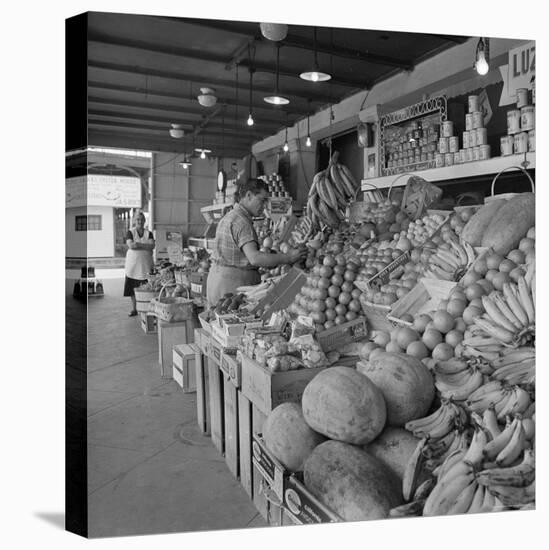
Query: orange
(407, 317)
(500, 279)
(393, 347)
(431, 338)
(443, 321)
(420, 322)
(405, 336)
(456, 307)
(417, 349)
(454, 337)
(488, 286)
(470, 313)
(329, 260)
(507, 265)
(527, 244)
(470, 278)
(443, 352)
(474, 291)
(460, 324)
(481, 266)
(389, 298)
(382, 338)
(493, 261)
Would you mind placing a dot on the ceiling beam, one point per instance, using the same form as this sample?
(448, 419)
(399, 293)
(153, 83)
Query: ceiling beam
(205, 56)
(229, 121)
(315, 97)
(296, 41)
(160, 93)
(180, 111)
(229, 134)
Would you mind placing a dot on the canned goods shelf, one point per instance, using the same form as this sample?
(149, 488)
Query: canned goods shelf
(469, 169)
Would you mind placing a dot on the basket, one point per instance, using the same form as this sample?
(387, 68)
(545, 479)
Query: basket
(172, 310)
(143, 299)
(203, 318)
(181, 277)
(376, 316)
(419, 194)
(506, 196)
(373, 196)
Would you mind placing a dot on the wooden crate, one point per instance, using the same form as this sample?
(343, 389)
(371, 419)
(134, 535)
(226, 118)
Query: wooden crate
(376, 316)
(184, 370)
(170, 335)
(423, 298)
(230, 405)
(266, 390)
(245, 443)
(259, 499)
(345, 333)
(202, 393)
(149, 323)
(217, 424)
(231, 367)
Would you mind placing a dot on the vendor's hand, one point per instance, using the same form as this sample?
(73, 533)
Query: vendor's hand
(297, 254)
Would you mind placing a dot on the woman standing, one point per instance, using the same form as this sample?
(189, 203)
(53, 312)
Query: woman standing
(236, 254)
(139, 260)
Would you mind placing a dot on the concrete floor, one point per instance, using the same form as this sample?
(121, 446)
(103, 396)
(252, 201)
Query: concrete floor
(150, 470)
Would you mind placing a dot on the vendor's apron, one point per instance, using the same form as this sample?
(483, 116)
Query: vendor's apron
(139, 262)
(223, 279)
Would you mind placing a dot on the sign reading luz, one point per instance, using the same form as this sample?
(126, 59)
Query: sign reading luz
(519, 73)
(98, 190)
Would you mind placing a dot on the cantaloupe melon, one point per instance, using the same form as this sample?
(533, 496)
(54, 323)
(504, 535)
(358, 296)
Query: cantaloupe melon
(510, 223)
(406, 383)
(351, 482)
(345, 405)
(288, 437)
(393, 447)
(474, 229)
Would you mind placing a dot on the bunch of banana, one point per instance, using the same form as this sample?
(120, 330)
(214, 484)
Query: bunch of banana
(505, 399)
(440, 423)
(330, 193)
(255, 293)
(459, 385)
(518, 475)
(516, 367)
(509, 317)
(451, 262)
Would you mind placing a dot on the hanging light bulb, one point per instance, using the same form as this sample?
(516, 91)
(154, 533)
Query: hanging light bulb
(277, 99)
(203, 154)
(286, 147)
(308, 142)
(250, 120)
(482, 57)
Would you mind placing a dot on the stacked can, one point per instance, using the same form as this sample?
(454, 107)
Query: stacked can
(448, 146)
(275, 186)
(521, 133)
(475, 136)
(414, 144)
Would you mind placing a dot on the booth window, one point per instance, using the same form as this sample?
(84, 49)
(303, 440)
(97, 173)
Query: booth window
(88, 223)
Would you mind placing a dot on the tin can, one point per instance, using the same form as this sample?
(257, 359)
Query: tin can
(390, 164)
(506, 144)
(469, 153)
(522, 97)
(463, 155)
(439, 160)
(465, 139)
(478, 119)
(423, 157)
(453, 144)
(414, 144)
(527, 118)
(513, 121)
(521, 143)
(482, 136)
(469, 121)
(449, 159)
(418, 134)
(430, 156)
(473, 138)
(443, 145)
(484, 152)
(472, 100)
(457, 157)
(532, 140)
(447, 128)
(476, 153)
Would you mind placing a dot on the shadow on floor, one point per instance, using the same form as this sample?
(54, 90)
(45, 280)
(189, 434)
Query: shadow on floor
(57, 519)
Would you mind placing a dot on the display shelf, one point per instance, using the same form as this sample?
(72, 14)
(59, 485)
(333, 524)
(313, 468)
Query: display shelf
(199, 242)
(470, 169)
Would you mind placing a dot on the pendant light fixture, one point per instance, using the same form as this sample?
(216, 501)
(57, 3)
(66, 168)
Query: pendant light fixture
(186, 162)
(315, 75)
(286, 147)
(250, 120)
(277, 99)
(482, 57)
(202, 150)
(308, 140)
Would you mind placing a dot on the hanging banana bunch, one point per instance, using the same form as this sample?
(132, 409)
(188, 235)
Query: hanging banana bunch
(331, 191)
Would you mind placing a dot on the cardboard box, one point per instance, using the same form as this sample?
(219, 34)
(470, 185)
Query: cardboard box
(225, 342)
(342, 334)
(228, 364)
(198, 284)
(184, 371)
(423, 298)
(149, 323)
(302, 506)
(266, 390)
(270, 468)
(170, 335)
